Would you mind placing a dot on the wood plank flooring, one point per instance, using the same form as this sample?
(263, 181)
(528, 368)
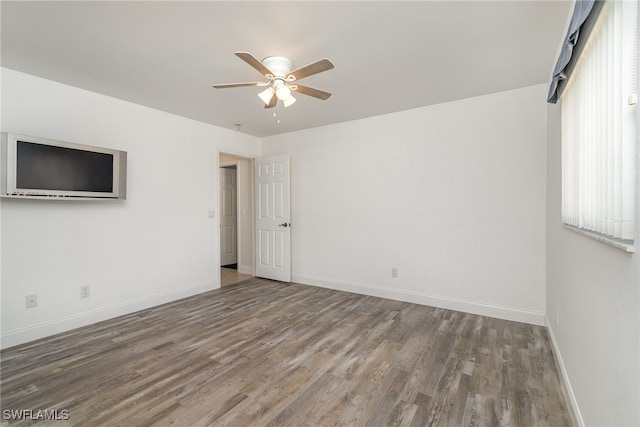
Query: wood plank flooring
(231, 276)
(264, 353)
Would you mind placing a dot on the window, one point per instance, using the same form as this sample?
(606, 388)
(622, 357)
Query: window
(599, 127)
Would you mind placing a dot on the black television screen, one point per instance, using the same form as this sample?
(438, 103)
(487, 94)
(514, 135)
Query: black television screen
(47, 167)
(40, 168)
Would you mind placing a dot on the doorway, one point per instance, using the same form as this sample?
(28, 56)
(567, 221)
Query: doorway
(228, 217)
(236, 219)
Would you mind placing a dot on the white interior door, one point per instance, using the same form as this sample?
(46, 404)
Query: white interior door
(228, 217)
(273, 218)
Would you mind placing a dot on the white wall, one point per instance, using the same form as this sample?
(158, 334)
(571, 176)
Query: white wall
(453, 195)
(157, 246)
(595, 289)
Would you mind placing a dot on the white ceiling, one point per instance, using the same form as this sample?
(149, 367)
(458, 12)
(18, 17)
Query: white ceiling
(389, 56)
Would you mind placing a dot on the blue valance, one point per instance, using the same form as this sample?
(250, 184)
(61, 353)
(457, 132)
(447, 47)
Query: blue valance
(581, 12)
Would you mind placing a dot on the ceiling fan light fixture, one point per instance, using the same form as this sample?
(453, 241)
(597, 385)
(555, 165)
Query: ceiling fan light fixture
(288, 101)
(266, 95)
(282, 91)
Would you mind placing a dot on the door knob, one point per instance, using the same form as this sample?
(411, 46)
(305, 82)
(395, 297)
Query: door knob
(284, 224)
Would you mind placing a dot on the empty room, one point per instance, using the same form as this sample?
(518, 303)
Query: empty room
(319, 213)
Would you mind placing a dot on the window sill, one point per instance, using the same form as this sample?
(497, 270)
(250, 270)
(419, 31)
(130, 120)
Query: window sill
(625, 246)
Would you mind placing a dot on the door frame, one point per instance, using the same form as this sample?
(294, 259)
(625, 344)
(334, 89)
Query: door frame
(241, 189)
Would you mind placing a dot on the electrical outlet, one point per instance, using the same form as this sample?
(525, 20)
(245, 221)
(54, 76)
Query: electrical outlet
(394, 272)
(32, 301)
(557, 316)
(85, 291)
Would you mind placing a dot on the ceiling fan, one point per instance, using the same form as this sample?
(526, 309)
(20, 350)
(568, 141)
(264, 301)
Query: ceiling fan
(280, 83)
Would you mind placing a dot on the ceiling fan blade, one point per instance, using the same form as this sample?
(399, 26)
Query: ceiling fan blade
(251, 60)
(311, 69)
(228, 85)
(273, 102)
(316, 93)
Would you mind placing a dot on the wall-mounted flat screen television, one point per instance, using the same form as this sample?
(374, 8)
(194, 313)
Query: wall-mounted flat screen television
(44, 168)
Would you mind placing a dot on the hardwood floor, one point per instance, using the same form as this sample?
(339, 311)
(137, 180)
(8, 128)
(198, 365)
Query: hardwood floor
(264, 353)
(231, 276)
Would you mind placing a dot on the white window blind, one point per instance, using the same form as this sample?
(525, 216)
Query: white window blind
(599, 127)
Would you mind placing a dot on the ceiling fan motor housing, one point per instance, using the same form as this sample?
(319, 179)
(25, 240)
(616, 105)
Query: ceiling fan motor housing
(278, 65)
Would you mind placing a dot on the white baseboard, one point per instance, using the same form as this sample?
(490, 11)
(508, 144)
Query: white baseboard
(506, 313)
(570, 397)
(45, 329)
